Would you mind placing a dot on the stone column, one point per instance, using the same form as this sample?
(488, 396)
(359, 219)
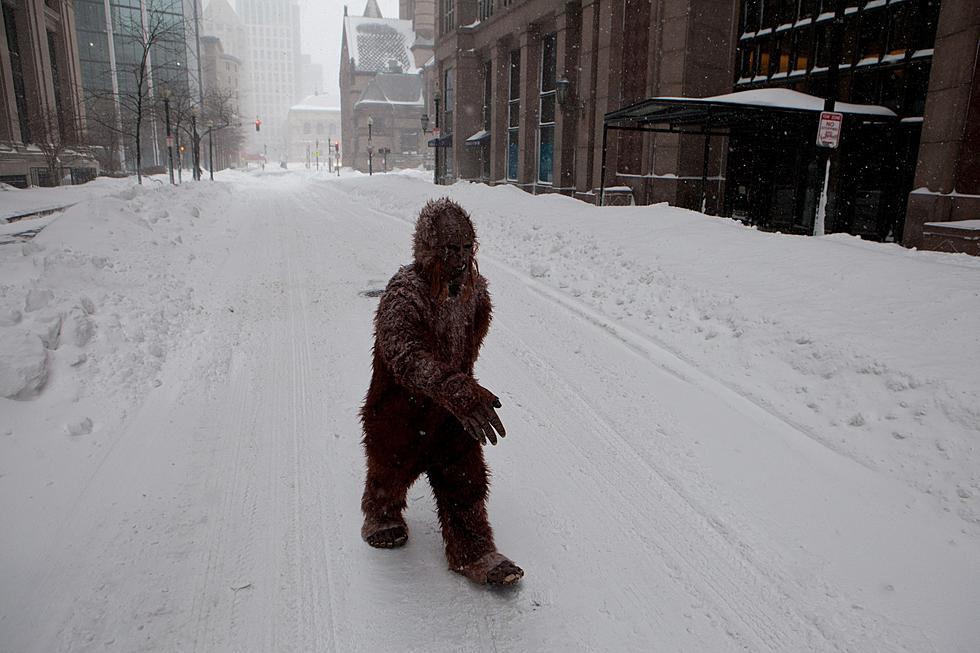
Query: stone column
(568, 37)
(585, 142)
(948, 160)
(609, 60)
(9, 125)
(468, 113)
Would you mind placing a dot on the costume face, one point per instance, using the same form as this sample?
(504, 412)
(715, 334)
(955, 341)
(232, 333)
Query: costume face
(455, 249)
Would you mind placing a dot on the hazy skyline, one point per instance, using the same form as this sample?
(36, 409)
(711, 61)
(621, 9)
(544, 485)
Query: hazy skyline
(321, 29)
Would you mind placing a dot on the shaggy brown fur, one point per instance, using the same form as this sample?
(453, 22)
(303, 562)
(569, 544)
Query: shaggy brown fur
(424, 412)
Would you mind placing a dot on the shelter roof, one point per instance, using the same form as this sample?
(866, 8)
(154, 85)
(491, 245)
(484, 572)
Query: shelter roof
(742, 108)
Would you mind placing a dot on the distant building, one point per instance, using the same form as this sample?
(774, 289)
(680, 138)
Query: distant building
(222, 78)
(311, 77)
(273, 66)
(380, 78)
(313, 125)
(40, 101)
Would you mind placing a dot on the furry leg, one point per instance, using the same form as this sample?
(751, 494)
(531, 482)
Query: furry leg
(385, 490)
(460, 487)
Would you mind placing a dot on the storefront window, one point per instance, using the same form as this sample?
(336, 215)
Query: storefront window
(546, 114)
(513, 114)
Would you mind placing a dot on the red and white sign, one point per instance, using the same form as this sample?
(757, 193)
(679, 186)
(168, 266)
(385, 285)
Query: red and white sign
(170, 141)
(828, 133)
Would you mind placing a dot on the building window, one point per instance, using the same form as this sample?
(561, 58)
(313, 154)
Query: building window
(513, 114)
(17, 67)
(804, 47)
(448, 14)
(546, 115)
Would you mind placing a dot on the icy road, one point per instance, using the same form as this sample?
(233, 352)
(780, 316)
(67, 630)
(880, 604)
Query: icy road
(188, 476)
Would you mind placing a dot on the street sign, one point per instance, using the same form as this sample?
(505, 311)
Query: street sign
(435, 132)
(828, 133)
(170, 141)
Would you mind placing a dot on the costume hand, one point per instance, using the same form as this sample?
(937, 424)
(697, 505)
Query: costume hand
(481, 422)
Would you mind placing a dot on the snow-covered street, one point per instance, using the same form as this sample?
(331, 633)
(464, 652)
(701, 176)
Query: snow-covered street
(718, 439)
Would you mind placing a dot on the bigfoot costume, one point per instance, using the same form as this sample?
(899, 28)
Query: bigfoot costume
(424, 411)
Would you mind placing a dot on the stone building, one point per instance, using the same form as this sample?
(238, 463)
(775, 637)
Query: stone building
(380, 79)
(314, 126)
(42, 115)
(527, 90)
(222, 100)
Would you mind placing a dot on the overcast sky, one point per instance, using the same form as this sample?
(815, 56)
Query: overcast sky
(321, 29)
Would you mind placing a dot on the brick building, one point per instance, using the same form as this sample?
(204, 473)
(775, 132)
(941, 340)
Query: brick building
(381, 64)
(525, 87)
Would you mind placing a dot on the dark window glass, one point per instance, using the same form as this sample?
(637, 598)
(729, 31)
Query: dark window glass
(864, 87)
(546, 150)
(549, 60)
(782, 51)
(926, 20)
(893, 90)
(487, 93)
(17, 67)
(747, 68)
(808, 8)
(750, 15)
(918, 86)
(804, 48)
(515, 74)
(873, 31)
(787, 12)
(849, 44)
(822, 45)
(770, 9)
(764, 58)
(899, 37)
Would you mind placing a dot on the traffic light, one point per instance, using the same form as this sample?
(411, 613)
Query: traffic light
(258, 124)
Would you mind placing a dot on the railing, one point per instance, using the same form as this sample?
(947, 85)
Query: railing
(486, 8)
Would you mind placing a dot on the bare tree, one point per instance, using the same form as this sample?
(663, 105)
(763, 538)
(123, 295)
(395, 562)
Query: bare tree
(149, 37)
(57, 144)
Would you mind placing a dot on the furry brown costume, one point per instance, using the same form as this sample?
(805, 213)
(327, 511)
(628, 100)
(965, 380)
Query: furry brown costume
(424, 411)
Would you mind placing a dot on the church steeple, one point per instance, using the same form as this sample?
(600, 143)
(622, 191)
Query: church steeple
(372, 10)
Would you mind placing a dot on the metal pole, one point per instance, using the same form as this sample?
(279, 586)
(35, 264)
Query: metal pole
(823, 153)
(435, 175)
(704, 171)
(210, 155)
(602, 175)
(197, 44)
(194, 153)
(170, 147)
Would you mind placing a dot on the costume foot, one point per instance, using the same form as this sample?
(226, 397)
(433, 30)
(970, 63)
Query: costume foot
(492, 569)
(384, 535)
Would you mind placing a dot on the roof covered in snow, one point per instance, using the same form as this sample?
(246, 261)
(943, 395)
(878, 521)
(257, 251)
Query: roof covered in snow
(374, 42)
(315, 103)
(745, 107)
(393, 89)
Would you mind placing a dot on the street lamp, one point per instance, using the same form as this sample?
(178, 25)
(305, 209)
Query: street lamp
(370, 147)
(195, 151)
(210, 150)
(425, 123)
(166, 94)
(436, 97)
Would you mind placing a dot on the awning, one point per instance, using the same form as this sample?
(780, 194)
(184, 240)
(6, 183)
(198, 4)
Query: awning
(477, 139)
(745, 109)
(443, 141)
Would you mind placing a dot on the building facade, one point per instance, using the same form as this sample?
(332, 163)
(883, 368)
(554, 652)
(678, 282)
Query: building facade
(273, 68)
(42, 116)
(111, 38)
(314, 126)
(525, 86)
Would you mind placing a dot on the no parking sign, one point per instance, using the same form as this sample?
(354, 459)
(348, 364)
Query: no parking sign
(828, 133)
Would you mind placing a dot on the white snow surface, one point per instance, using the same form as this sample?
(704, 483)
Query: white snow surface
(718, 439)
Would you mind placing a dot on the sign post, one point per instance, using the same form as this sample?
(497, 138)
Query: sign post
(828, 136)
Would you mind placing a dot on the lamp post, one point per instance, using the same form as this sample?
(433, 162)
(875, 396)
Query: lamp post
(370, 147)
(195, 151)
(436, 97)
(166, 93)
(210, 150)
